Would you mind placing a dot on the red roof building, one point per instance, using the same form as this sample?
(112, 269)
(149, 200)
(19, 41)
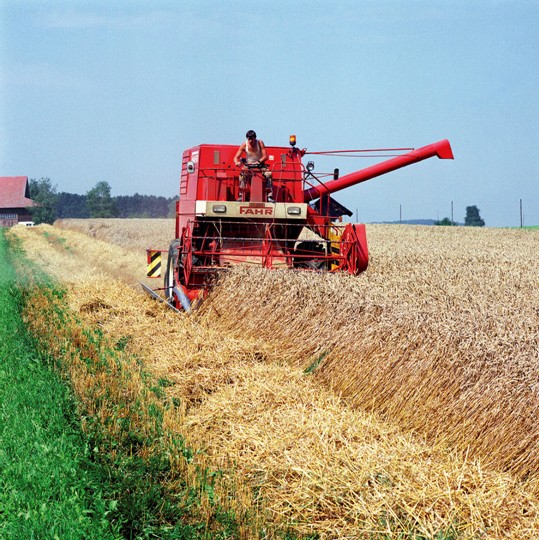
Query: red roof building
(14, 200)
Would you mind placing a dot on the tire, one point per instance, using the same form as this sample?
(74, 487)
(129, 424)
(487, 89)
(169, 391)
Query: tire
(172, 261)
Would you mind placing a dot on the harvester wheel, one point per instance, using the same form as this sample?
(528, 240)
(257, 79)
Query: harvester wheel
(170, 276)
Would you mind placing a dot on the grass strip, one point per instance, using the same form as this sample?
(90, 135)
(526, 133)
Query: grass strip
(48, 484)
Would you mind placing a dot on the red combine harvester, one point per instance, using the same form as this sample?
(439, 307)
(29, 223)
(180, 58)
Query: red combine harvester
(301, 229)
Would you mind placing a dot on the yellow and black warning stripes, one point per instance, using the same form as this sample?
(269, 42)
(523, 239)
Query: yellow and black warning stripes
(154, 263)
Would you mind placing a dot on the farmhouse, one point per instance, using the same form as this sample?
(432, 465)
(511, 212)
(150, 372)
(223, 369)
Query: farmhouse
(14, 201)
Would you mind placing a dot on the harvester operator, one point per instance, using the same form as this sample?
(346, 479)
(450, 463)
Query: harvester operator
(255, 158)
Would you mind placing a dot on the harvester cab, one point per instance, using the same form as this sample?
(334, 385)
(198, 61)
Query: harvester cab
(225, 217)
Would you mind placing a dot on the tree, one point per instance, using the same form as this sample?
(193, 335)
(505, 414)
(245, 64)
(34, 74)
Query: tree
(141, 206)
(99, 201)
(473, 219)
(445, 222)
(71, 205)
(43, 193)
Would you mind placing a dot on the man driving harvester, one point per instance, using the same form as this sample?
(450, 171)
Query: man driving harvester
(255, 158)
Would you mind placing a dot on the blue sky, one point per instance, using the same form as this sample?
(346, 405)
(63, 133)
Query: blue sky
(116, 90)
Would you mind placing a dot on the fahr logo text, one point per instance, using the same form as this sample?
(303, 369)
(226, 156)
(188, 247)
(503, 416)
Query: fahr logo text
(256, 211)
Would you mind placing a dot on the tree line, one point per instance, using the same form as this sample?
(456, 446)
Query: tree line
(472, 219)
(96, 203)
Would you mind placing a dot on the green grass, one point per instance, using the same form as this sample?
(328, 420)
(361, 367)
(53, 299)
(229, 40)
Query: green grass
(48, 484)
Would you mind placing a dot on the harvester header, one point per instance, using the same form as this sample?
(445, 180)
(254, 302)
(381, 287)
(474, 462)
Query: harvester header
(278, 214)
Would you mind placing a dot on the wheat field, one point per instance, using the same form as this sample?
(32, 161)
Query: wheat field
(401, 400)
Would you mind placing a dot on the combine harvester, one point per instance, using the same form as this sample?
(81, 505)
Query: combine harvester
(301, 228)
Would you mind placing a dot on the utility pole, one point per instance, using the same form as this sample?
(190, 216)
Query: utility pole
(452, 222)
(400, 213)
(521, 221)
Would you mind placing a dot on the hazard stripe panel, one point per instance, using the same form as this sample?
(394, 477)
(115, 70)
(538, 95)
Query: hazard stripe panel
(154, 264)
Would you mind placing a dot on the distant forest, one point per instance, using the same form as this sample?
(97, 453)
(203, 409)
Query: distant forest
(70, 205)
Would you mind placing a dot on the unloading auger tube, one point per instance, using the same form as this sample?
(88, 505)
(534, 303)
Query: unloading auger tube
(440, 149)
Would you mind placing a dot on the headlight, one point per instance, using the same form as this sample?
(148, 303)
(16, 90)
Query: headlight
(293, 210)
(219, 209)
